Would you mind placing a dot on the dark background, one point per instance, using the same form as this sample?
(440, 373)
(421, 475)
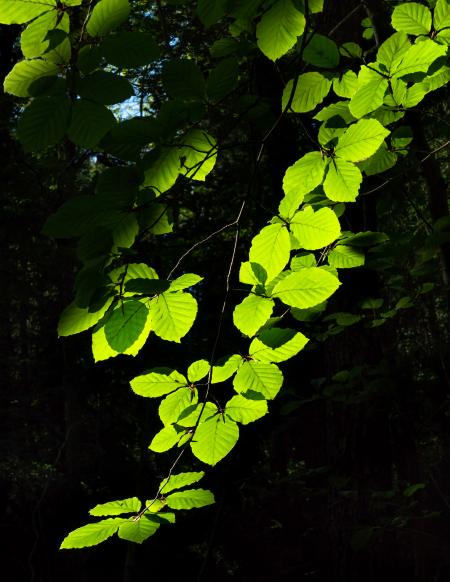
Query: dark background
(318, 490)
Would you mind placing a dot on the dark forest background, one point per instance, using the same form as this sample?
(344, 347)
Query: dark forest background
(348, 478)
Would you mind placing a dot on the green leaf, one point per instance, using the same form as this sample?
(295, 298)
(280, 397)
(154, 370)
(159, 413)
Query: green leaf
(76, 319)
(271, 249)
(185, 281)
(214, 439)
(101, 350)
(343, 181)
(252, 274)
(351, 50)
(25, 73)
(441, 16)
(321, 52)
(306, 288)
(225, 368)
(222, 79)
(311, 89)
(345, 257)
(157, 382)
(392, 50)
(198, 154)
(172, 315)
(181, 480)
(106, 16)
(34, 41)
(315, 230)
(257, 378)
(190, 498)
(418, 58)
(164, 440)
(333, 112)
(146, 286)
(157, 219)
(164, 171)
(174, 404)
(43, 123)
(361, 140)
(369, 97)
(301, 178)
(128, 50)
(89, 123)
(21, 11)
(131, 505)
(252, 313)
(372, 303)
(183, 80)
(198, 370)
(278, 29)
(303, 260)
(197, 414)
(91, 534)
(128, 137)
(211, 11)
(243, 410)
(138, 531)
(346, 85)
(125, 324)
(277, 345)
(412, 18)
(89, 58)
(106, 88)
(382, 160)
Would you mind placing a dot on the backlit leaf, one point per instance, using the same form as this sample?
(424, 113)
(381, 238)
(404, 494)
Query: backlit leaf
(190, 498)
(92, 534)
(270, 249)
(174, 404)
(21, 11)
(342, 181)
(361, 140)
(131, 505)
(315, 230)
(277, 345)
(173, 315)
(214, 439)
(179, 481)
(164, 440)
(311, 89)
(368, 97)
(225, 368)
(252, 313)
(278, 29)
(76, 319)
(345, 257)
(198, 154)
(125, 324)
(106, 16)
(198, 370)
(25, 73)
(139, 530)
(157, 382)
(244, 410)
(255, 379)
(412, 18)
(306, 288)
